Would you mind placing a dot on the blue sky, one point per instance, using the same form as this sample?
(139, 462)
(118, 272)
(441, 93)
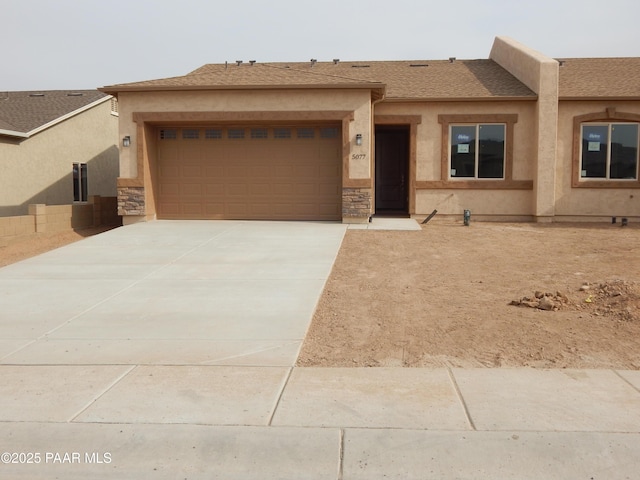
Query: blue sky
(74, 44)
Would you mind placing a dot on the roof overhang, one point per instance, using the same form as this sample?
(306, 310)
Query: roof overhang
(115, 89)
(460, 99)
(595, 99)
(12, 133)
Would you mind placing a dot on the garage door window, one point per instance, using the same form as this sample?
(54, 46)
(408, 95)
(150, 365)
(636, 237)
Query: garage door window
(282, 133)
(190, 134)
(329, 132)
(235, 133)
(213, 134)
(168, 134)
(306, 133)
(259, 133)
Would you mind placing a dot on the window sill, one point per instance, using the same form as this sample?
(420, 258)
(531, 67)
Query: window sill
(606, 183)
(476, 184)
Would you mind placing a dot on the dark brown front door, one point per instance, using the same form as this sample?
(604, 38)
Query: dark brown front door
(392, 170)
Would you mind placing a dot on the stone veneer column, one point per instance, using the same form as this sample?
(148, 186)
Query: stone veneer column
(356, 205)
(131, 201)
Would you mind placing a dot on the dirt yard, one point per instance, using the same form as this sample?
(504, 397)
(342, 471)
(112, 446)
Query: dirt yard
(486, 295)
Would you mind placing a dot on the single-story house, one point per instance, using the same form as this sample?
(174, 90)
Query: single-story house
(56, 148)
(517, 136)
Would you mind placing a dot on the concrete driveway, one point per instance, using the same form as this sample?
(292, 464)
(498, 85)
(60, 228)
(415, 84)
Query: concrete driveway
(169, 293)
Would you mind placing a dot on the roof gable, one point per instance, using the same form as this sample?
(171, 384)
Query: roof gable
(25, 113)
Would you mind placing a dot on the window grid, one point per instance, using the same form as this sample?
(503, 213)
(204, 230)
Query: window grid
(168, 134)
(190, 134)
(259, 133)
(329, 132)
(306, 133)
(213, 134)
(235, 133)
(282, 133)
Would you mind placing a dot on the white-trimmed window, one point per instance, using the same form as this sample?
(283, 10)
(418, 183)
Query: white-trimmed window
(80, 184)
(477, 151)
(609, 151)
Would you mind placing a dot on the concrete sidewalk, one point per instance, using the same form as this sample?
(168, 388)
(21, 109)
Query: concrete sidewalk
(166, 350)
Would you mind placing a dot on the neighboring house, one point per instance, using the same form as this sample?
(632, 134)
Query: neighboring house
(518, 136)
(56, 147)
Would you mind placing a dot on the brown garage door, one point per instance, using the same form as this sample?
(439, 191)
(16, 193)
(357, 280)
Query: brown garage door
(249, 172)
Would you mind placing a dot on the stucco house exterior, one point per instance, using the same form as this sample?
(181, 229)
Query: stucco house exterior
(517, 136)
(56, 148)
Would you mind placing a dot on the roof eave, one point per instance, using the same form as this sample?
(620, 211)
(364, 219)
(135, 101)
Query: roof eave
(460, 99)
(592, 98)
(13, 133)
(114, 90)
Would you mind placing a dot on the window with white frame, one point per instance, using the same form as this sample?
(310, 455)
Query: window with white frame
(609, 151)
(80, 185)
(477, 151)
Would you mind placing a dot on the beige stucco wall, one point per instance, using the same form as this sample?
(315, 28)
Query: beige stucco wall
(231, 101)
(540, 74)
(429, 154)
(39, 169)
(589, 202)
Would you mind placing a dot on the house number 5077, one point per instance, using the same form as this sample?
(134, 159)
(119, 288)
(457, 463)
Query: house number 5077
(358, 156)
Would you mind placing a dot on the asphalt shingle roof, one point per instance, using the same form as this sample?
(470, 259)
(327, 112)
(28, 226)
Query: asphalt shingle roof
(419, 79)
(600, 78)
(26, 111)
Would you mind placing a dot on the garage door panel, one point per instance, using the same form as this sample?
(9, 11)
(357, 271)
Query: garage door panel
(218, 175)
(212, 171)
(191, 171)
(191, 190)
(214, 189)
(236, 190)
(192, 209)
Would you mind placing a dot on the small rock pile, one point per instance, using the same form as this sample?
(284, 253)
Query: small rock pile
(616, 298)
(619, 299)
(543, 301)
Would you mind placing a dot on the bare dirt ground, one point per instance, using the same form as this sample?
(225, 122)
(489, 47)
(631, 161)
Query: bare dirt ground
(486, 295)
(30, 246)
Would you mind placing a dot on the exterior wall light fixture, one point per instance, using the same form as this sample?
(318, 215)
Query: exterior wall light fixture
(359, 139)
(126, 141)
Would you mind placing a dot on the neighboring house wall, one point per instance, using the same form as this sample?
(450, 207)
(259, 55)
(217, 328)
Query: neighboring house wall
(139, 110)
(597, 202)
(38, 170)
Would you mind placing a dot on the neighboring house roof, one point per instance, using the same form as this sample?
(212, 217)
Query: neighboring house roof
(404, 80)
(23, 114)
(595, 78)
